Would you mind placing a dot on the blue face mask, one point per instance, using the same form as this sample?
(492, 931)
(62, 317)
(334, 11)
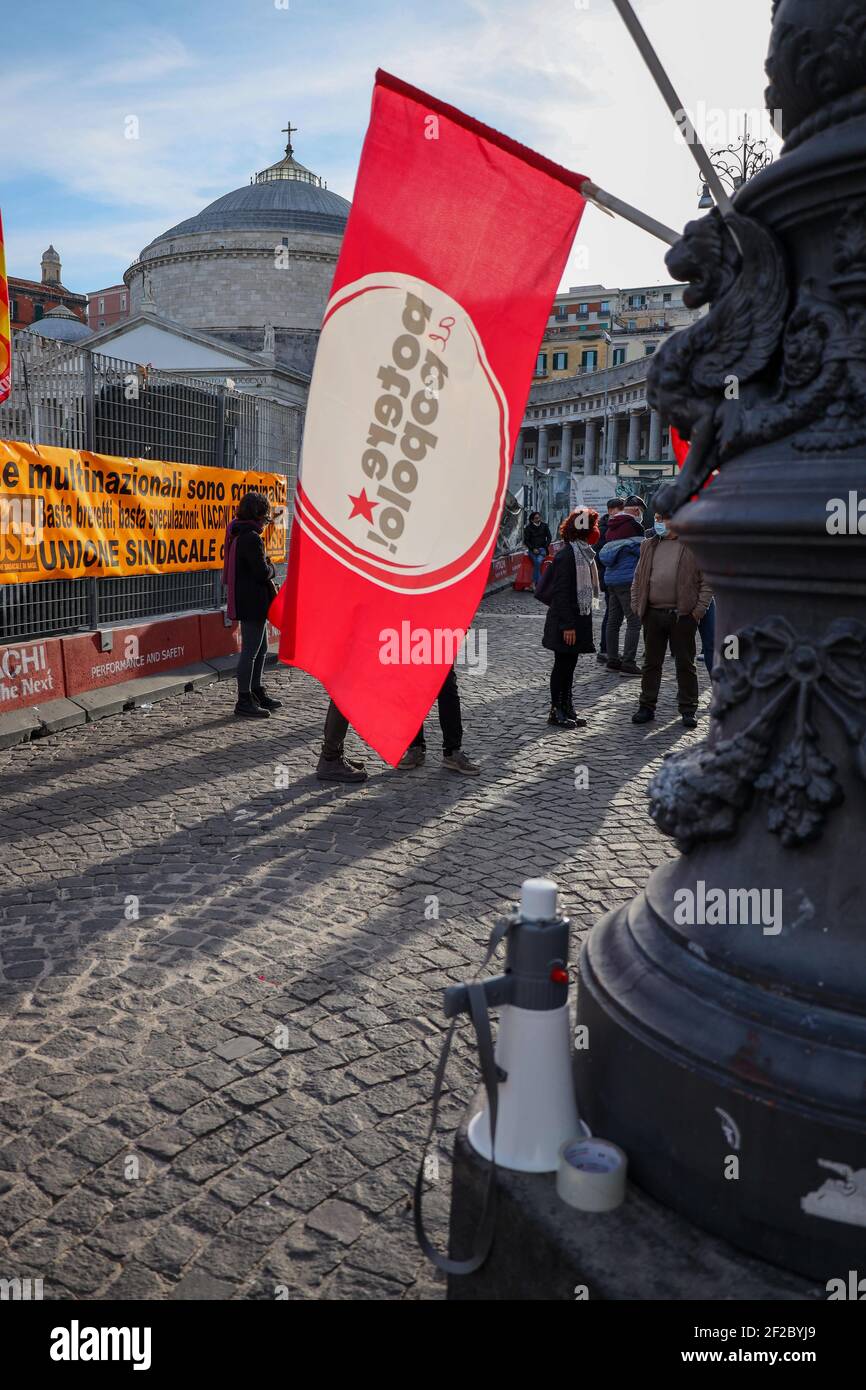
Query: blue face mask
(660, 528)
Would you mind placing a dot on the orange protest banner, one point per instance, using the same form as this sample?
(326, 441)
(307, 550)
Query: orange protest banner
(66, 514)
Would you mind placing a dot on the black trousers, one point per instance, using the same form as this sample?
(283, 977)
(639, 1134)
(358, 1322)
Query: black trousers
(562, 677)
(662, 628)
(336, 728)
(254, 649)
(337, 725)
(450, 720)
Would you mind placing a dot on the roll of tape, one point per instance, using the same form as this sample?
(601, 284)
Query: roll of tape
(591, 1174)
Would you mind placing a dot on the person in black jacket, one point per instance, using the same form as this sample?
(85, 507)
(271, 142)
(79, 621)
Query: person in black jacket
(568, 626)
(249, 579)
(536, 538)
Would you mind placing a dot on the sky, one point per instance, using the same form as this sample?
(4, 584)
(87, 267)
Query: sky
(210, 83)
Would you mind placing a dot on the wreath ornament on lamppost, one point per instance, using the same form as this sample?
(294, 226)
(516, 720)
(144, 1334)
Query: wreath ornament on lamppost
(700, 793)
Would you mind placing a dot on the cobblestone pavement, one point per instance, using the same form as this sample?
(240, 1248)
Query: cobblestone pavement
(176, 886)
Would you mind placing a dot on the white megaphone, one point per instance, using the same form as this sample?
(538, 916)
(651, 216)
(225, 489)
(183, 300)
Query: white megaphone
(536, 1110)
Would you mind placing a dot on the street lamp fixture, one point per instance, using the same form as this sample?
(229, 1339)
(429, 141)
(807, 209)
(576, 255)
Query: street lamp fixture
(735, 164)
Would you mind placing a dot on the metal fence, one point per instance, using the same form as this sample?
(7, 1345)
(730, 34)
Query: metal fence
(76, 399)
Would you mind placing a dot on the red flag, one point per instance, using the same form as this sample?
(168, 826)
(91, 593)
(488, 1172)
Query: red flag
(5, 326)
(453, 252)
(680, 447)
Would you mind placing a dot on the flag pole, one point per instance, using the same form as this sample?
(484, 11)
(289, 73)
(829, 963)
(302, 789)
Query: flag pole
(675, 106)
(609, 204)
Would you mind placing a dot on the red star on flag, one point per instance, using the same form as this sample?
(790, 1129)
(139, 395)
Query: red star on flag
(362, 506)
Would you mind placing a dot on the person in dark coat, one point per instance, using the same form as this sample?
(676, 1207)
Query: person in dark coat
(536, 538)
(614, 508)
(249, 579)
(568, 626)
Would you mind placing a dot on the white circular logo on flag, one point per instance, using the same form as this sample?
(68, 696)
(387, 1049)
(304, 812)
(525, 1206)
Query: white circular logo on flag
(405, 456)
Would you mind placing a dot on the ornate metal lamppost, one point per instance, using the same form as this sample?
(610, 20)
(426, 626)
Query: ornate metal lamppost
(726, 1005)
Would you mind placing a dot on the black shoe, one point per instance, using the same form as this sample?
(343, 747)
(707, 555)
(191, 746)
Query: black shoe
(601, 658)
(690, 721)
(247, 708)
(629, 668)
(643, 715)
(614, 664)
(265, 700)
(340, 770)
(572, 714)
(559, 717)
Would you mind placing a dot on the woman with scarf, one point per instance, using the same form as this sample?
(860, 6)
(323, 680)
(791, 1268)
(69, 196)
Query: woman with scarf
(249, 579)
(568, 627)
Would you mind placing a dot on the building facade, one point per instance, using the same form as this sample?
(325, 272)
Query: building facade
(592, 327)
(107, 307)
(31, 300)
(590, 424)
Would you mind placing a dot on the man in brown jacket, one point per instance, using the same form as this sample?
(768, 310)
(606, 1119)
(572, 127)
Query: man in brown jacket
(671, 595)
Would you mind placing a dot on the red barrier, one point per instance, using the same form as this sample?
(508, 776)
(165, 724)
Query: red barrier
(503, 568)
(144, 650)
(31, 673)
(219, 640)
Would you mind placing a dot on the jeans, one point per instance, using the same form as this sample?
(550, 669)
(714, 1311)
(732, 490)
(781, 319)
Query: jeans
(619, 607)
(537, 557)
(254, 649)
(707, 629)
(602, 641)
(449, 717)
(562, 678)
(663, 628)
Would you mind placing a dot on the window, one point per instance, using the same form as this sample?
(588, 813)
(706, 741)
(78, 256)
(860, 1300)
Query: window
(589, 359)
(618, 356)
(667, 299)
(122, 302)
(14, 309)
(38, 311)
(637, 301)
(541, 363)
(605, 306)
(632, 325)
(102, 323)
(101, 305)
(583, 308)
(649, 349)
(561, 312)
(560, 361)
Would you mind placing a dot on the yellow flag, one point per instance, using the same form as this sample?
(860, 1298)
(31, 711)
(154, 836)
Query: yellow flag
(5, 326)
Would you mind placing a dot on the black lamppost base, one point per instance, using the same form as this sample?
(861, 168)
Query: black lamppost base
(738, 1106)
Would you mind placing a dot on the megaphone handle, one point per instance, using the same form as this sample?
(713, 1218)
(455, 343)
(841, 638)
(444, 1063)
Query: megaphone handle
(484, 1234)
(481, 1023)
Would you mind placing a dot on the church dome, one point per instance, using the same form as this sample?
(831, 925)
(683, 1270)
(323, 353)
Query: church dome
(59, 323)
(254, 268)
(285, 197)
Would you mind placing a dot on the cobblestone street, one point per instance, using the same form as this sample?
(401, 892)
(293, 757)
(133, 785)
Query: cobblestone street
(177, 886)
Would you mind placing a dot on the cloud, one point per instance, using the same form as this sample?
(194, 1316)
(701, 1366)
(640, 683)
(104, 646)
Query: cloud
(209, 104)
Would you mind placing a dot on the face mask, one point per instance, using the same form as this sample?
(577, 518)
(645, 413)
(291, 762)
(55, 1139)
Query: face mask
(660, 528)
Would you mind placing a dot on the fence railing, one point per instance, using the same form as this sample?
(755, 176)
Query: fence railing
(76, 399)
